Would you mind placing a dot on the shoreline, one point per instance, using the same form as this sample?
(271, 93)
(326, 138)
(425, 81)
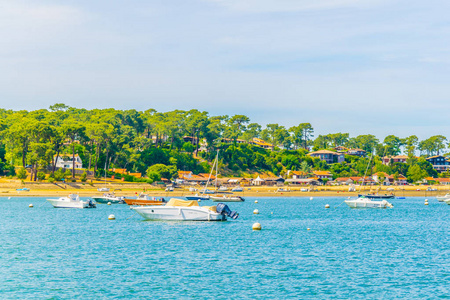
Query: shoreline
(8, 188)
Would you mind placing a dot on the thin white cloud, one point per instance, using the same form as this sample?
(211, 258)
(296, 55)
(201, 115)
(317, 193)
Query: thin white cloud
(262, 6)
(27, 23)
(17, 13)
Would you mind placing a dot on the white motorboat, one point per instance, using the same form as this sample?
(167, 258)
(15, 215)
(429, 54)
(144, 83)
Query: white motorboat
(447, 201)
(363, 202)
(369, 201)
(443, 198)
(103, 189)
(222, 189)
(237, 189)
(182, 210)
(72, 201)
(108, 198)
(226, 198)
(198, 197)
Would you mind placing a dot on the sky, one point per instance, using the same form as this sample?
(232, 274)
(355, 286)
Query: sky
(358, 66)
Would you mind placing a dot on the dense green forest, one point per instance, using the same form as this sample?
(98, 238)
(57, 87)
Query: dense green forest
(152, 143)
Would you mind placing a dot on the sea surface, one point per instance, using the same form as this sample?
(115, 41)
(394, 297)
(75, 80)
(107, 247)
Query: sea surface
(399, 253)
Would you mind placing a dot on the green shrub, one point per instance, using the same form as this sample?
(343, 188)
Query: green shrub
(22, 174)
(41, 175)
(83, 177)
(51, 180)
(67, 174)
(59, 175)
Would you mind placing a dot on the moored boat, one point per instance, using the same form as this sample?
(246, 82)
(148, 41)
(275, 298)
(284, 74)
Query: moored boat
(72, 201)
(443, 198)
(226, 198)
(237, 189)
(198, 197)
(182, 210)
(144, 199)
(363, 202)
(105, 198)
(377, 196)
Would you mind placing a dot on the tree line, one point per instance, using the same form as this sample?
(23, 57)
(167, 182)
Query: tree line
(151, 142)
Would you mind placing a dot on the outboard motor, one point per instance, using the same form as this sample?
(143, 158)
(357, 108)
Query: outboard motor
(92, 203)
(226, 211)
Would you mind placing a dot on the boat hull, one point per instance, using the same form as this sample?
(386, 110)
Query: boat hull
(368, 203)
(173, 213)
(227, 199)
(443, 198)
(105, 200)
(377, 196)
(197, 198)
(143, 202)
(68, 204)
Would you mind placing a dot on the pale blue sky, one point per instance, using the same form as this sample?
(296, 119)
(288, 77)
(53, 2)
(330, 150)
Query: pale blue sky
(356, 66)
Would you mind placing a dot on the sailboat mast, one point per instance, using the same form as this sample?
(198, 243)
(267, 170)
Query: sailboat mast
(365, 173)
(217, 166)
(210, 174)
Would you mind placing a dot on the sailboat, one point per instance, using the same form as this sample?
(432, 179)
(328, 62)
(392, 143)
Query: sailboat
(204, 194)
(363, 201)
(222, 197)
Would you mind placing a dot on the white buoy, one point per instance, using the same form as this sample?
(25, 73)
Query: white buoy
(426, 203)
(311, 198)
(199, 200)
(111, 217)
(308, 228)
(256, 201)
(426, 200)
(256, 211)
(256, 226)
(327, 205)
(109, 203)
(9, 198)
(31, 205)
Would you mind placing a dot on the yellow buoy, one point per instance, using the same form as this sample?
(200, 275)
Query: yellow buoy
(109, 203)
(111, 217)
(31, 205)
(426, 203)
(256, 211)
(256, 226)
(256, 201)
(308, 228)
(327, 205)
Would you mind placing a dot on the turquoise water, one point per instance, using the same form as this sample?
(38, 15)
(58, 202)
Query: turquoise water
(48, 253)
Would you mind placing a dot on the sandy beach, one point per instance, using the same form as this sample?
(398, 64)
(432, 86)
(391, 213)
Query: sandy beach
(9, 187)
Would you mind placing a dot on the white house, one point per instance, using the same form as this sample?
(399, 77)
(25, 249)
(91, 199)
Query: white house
(65, 161)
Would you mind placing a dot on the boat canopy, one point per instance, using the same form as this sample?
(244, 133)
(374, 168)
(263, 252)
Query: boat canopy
(180, 202)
